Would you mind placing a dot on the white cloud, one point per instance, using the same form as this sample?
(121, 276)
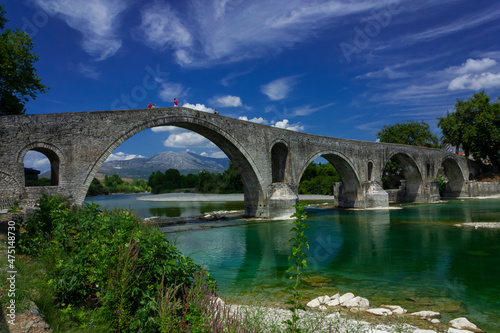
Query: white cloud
(463, 23)
(95, 19)
(188, 140)
(259, 120)
(169, 91)
(279, 89)
(476, 66)
(161, 27)
(475, 82)
(37, 161)
(198, 107)
(285, 124)
(121, 156)
(387, 72)
(217, 154)
(307, 109)
(203, 33)
(229, 101)
(87, 71)
(171, 129)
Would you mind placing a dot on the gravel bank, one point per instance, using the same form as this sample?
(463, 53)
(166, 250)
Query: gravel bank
(215, 197)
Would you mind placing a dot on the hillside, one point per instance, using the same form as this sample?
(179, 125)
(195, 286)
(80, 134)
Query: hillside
(185, 162)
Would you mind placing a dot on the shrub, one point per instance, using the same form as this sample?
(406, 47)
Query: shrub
(106, 261)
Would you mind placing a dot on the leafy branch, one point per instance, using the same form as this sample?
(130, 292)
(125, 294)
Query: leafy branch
(299, 260)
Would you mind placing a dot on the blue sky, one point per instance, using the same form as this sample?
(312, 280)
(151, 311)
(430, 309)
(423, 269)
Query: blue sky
(340, 68)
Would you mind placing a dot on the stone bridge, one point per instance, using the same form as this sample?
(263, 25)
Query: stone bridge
(270, 160)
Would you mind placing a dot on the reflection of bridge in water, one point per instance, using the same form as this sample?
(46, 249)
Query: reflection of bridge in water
(270, 160)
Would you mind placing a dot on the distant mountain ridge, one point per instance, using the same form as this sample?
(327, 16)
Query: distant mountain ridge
(185, 162)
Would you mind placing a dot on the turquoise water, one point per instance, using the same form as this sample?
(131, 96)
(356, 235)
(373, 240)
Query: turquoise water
(414, 257)
(164, 209)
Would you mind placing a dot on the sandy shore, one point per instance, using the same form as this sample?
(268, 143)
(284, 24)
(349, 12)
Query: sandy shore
(215, 197)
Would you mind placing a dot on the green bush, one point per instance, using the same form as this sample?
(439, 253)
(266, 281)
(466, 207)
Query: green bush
(105, 261)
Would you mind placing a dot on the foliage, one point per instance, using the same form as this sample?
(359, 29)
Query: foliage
(205, 182)
(115, 184)
(442, 184)
(298, 259)
(474, 127)
(392, 174)
(409, 133)
(104, 261)
(97, 188)
(34, 180)
(197, 310)
(18, 77)
(318, 179)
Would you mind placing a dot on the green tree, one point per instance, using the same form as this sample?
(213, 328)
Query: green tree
(18, 77)
(475, 127)
(231, 180)
(409, 133)
(318, 179)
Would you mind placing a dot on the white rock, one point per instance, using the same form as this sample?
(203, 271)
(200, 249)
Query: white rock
(314, 303)
(219, 301)
(380, 311)
(333, 302)
(395, 309)
(318, 301)
(323, 299)
(426, 314)
(337, 295)
(358, 302)
(346, 297)
(435, 321)
(456, 330)
(464, 323)
(424, 331)
(322, 307)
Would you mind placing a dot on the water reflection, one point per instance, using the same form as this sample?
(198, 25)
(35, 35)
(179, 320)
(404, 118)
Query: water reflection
(414, 257)
(145, 209)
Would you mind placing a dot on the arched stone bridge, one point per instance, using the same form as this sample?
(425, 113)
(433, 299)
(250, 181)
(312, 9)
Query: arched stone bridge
(270, 160)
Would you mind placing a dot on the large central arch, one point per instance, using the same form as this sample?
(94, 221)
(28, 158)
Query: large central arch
(251, 178)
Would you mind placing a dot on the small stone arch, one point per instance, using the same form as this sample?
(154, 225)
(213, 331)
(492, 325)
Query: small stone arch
(10, 190)
(455, 175)
(369, 170)
(279, 161)
(351, 189)
(412, 174)
(54, 154)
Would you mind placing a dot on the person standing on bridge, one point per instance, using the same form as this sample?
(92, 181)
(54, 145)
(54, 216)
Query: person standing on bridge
(216, 112)
(150, 105)
(176, 102)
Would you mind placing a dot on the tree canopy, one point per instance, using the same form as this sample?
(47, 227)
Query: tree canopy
(409, 133)
(474, 127)
(18, 77)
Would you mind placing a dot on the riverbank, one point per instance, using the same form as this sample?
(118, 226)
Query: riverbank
(217, 197)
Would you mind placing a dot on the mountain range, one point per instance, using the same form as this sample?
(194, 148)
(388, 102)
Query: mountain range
(185, 162)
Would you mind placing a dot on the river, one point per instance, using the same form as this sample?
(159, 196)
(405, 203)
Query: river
(414, 257)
